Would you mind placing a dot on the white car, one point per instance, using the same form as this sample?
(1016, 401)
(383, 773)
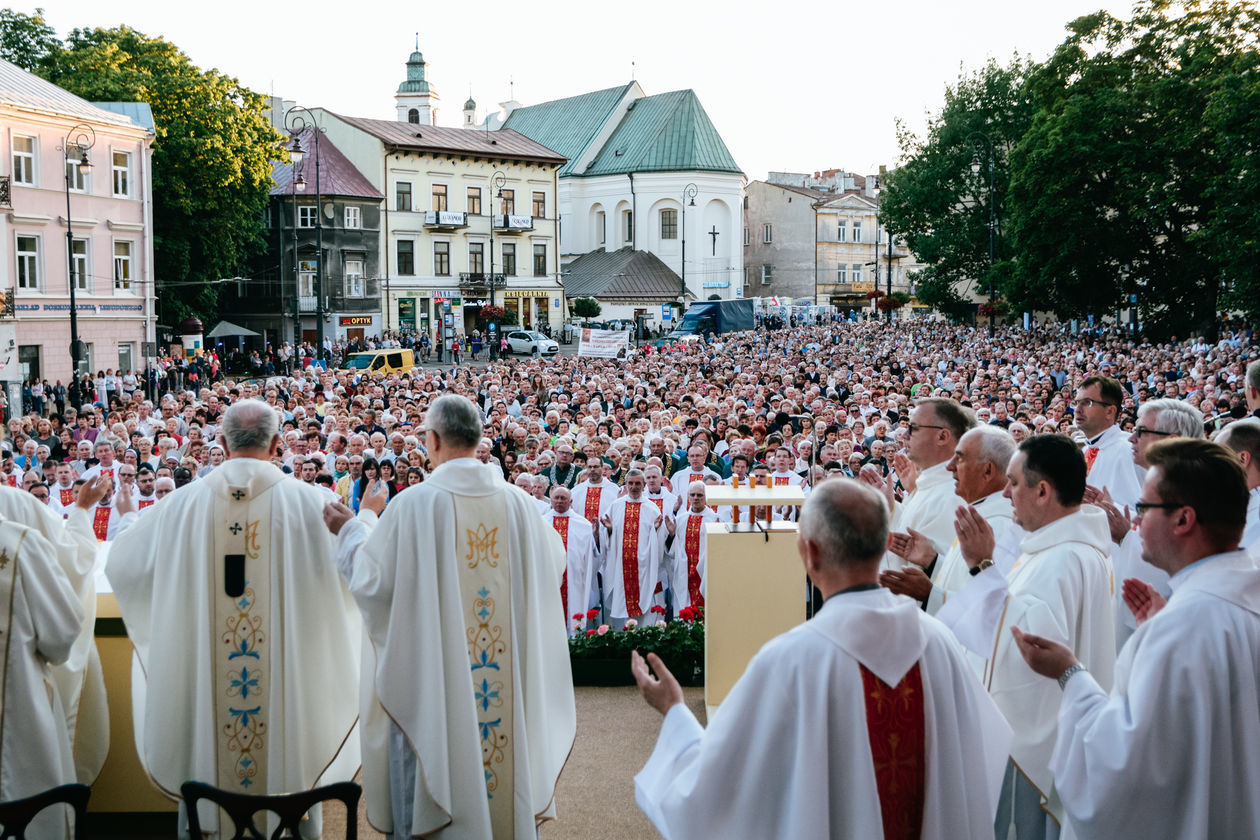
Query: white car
(532, 343)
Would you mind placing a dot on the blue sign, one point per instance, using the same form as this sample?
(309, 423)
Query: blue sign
(493, 326)
(665, 309)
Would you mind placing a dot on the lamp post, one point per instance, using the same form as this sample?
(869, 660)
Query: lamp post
(979, 138)
(296, 120)
(497, 180)
(80, 141)
(689, 197)
(299, 185)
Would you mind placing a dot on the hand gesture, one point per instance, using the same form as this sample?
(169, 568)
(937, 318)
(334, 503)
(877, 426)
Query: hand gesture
(912, 546)
(872, 476)
(1092, 495)
(907, 471)
(661, 692)
(1050, 659)
(660, 517)
(1118, 522)
(91, 492)
(376, 497)
(670, 525)
(911, 581)
(124, 501)
(677, 504)
(1142, 599)
(335, 516)
(975, 535)
(606, 521)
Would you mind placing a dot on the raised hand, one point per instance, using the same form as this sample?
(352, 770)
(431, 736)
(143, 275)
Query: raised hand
(1142, 599)
(376, 497)
(606, 521)
(872, 476)
(912, 546)
(975, 535)
(907, 471)
(910, 581)
(336, 515)
(1118, 522)
(1045, 657)
(91, 492)
(662, 692)
(670, 525)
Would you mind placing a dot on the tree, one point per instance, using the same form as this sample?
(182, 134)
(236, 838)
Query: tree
(211, 157)
(26, 40)
(587, 308)
(1112, 186)
(939, 206)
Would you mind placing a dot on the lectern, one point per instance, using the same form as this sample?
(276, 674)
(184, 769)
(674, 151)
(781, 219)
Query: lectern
(755, 584)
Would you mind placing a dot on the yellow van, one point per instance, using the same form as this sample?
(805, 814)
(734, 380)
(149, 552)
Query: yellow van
(390, 360)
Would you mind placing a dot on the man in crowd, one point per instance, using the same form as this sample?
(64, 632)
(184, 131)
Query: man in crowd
(578, 591)
(685, 550)
(594, 496)
(499, 752)
(253, 617)
(1171, 750)
(631, 546)
(1243, 437)
(815, 707)
(1108, 456)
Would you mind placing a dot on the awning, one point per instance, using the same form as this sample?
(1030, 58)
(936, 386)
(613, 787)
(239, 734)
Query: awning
(227, 328)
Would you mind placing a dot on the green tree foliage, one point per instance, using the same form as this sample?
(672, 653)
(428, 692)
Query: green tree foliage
(939, 206)
(585, 307)
(26, 40)
(1112, 187)
(211, 157)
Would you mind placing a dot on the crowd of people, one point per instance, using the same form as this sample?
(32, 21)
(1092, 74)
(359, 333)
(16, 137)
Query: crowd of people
(1023, 453)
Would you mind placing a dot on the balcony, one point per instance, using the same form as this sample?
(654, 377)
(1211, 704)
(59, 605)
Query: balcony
(445, 219)
(480, 281)
(306, 303)
(513, 224)
(6, 193)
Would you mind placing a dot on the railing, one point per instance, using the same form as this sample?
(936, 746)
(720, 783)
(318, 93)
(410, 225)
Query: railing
(445, 219)
(480, 280)
(6, 193)
(306, 303)
(511, 223)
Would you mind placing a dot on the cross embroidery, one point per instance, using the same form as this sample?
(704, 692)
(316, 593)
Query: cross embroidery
(238, 494)
(4, 558)
(235, 529)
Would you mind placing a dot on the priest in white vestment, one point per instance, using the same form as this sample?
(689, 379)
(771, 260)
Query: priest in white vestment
(685, 549)
(656, 492)
(1108, 454)
(594, 497)
(1173, 750)
(79, 679)
(246, 637)
(863, 722)
(632, 537)
(1060, 587)
(936, 425)
(40, 621)
(469, 714)
(1243, 437)
(578, 591)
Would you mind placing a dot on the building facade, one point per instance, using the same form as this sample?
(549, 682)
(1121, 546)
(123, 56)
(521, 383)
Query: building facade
(46, 132)
(346, 220)
(469, 217)
(819, 238)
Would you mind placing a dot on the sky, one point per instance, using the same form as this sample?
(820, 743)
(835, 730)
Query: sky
(791, 85)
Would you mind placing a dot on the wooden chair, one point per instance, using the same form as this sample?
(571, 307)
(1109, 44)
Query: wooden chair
(289, 807)
(15, 816)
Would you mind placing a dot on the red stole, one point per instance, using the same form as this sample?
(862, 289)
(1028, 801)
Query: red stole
(67, 495)
(592, 503)
(561, 524)
(897, 732)
(1091, 455)
(692, 546)
(11, 480)
(100, 522)
(695, 477)
(782, 480)
(630, 559)
(144, 503)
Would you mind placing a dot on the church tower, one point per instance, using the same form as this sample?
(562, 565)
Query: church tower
(417, 102)
(470, 113)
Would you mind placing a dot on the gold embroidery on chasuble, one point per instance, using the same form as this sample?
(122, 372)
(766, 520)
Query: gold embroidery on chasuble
(242, 655)
(11, 537)
(485, 585)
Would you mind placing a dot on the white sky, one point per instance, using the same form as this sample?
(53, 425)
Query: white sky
(790, 84)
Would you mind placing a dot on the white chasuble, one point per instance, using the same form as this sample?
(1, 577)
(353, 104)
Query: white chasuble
(241, 620)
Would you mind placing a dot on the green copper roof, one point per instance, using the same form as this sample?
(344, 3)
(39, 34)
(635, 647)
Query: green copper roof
(415, 75)
(668, 132)
(567, 125)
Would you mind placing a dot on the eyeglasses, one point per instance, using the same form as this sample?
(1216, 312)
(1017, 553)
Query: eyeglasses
(1087, 401)
(1140, 508)
(1140, 431)
(914, 427)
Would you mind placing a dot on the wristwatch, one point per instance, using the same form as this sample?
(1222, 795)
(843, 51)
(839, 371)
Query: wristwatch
(981, 566)
(1068, 674)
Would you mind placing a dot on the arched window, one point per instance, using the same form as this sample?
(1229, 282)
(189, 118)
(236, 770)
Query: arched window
(413, 116)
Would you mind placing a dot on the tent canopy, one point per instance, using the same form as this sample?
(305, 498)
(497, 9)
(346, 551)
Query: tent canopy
(226, 328)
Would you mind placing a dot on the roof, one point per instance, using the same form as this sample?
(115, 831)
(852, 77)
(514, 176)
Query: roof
(26, 90)
(624, 274)
(668, 132)
(337, 175)
(138, 112)
(503, 143)
(567, 125)
(806, 191)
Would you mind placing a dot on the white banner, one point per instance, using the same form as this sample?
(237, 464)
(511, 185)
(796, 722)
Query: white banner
(604, 344)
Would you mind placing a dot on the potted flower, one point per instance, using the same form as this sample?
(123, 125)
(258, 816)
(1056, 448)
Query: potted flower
(600, 655)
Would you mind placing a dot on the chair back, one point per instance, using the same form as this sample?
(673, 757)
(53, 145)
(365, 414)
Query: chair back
(242, 808)
(15, 816)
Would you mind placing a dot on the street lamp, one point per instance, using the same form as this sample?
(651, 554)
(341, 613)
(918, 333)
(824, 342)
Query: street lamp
(80, 141)
(296, 120)
(497, 180)
(981, 142)
(299, 185)
(689, 199)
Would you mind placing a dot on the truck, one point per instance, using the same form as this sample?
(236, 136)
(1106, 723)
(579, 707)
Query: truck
(711, 317)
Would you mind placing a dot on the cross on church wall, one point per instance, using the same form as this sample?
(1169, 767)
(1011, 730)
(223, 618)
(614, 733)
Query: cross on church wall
(714, 234)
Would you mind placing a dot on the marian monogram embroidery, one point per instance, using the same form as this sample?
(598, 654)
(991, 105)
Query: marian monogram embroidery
(486, 648)
(251, 539)
(245, 727)
(483, 545)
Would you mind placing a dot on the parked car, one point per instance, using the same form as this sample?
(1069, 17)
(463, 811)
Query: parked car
(531, 343)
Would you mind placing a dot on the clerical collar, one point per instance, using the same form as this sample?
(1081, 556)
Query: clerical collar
(861, 587)
(1094, 440)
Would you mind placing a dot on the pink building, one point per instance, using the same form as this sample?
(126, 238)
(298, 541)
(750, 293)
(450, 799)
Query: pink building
(42, 129)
